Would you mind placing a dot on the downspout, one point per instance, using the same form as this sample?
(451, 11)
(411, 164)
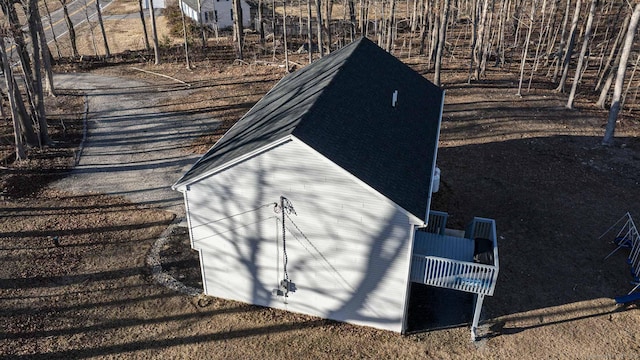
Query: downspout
(435, 157)
(405, 310)
(186, 190)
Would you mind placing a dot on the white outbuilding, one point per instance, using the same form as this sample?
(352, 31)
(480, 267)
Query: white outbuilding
(215, 13)
(312, 201)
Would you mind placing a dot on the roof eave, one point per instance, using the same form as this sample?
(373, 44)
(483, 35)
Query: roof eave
(181, 184)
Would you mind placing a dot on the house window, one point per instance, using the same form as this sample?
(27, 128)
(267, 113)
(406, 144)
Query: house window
(206, 16)
(215, 15)
(231, 11)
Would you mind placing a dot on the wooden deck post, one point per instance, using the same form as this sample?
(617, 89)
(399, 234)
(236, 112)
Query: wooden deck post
(476, 316)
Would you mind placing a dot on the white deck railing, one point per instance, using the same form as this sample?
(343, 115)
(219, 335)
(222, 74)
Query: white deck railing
(429, 267)
(454, 274)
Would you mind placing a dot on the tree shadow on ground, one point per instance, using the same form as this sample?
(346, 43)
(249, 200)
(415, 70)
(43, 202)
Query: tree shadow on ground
(551, 197)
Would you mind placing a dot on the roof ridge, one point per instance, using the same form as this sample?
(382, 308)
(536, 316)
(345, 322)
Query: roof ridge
(326, 90)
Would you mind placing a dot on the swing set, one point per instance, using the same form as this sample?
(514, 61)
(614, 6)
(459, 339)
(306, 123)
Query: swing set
(627, 237)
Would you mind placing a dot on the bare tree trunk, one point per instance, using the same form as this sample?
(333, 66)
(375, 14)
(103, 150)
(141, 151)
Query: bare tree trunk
(488, 42)
(319, 16)
(561, 47)
(309, 30)
(238, 25)
(11, 92)
(154, 33)
(441, 42)
(423, 26)
(93, 37)
(525, 51)
(327, 19)
(22, 121)
(70, 28)
(55, 38)
(614, 27)
(300, 17)
(33, 16)
(480, 42)
(617, 89)
(46, 57)
(104, 33)
(284, 33)
(474, 39)
(391, 22)
(551, 34)
(541, 37)
(185, 37)
(2, 113)
(583, 51)
(572, 42)
(147, 46)
(604, 92)
(203, 33)
(261, 23)
(633, 74)
(10, 13)
(500, 47)
(618, 42)
(352, 19)
(435, 29)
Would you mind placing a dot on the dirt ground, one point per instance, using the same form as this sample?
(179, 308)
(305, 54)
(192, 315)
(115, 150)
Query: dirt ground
(534, 166)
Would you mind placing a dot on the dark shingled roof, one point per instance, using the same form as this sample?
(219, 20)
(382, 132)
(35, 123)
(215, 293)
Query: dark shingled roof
(341, 105)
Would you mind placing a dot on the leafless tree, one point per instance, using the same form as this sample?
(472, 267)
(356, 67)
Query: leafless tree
(185, 37)
(583, 52)
(570, 45)
(617, 89)
(525, 50)
(605, 87)
(561, 46)
(239, 28)
(203, 33)
(55, 38)
(144, 26)
(37, 93)
(154, 33)
(441, 42)
(261, 23)
(104, 33)
(319, 16)
(309, 32)
(389, 27)
(45, 55)
(327, 20)
(34, 90)
(70, 28)
(90, 25)
(18, 130)
(284, 34)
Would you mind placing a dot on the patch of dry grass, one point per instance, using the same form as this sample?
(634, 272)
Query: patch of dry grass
(118, 7)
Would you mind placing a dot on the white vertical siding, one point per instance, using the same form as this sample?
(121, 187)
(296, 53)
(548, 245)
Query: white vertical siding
(157, 4)
(348, 247)
(221, 8)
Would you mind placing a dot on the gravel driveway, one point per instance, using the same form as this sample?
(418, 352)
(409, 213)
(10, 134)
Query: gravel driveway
(133, 148)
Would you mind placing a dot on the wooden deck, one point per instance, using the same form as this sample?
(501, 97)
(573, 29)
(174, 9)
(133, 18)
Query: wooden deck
(447, 261)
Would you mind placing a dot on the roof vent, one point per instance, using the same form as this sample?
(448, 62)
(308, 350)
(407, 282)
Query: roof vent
(394, 98)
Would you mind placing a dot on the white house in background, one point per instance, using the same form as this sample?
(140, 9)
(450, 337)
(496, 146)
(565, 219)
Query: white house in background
(157, 4)
(312, 202)
(216, 12)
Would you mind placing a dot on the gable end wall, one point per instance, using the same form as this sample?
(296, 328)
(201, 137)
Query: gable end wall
(348, 249)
